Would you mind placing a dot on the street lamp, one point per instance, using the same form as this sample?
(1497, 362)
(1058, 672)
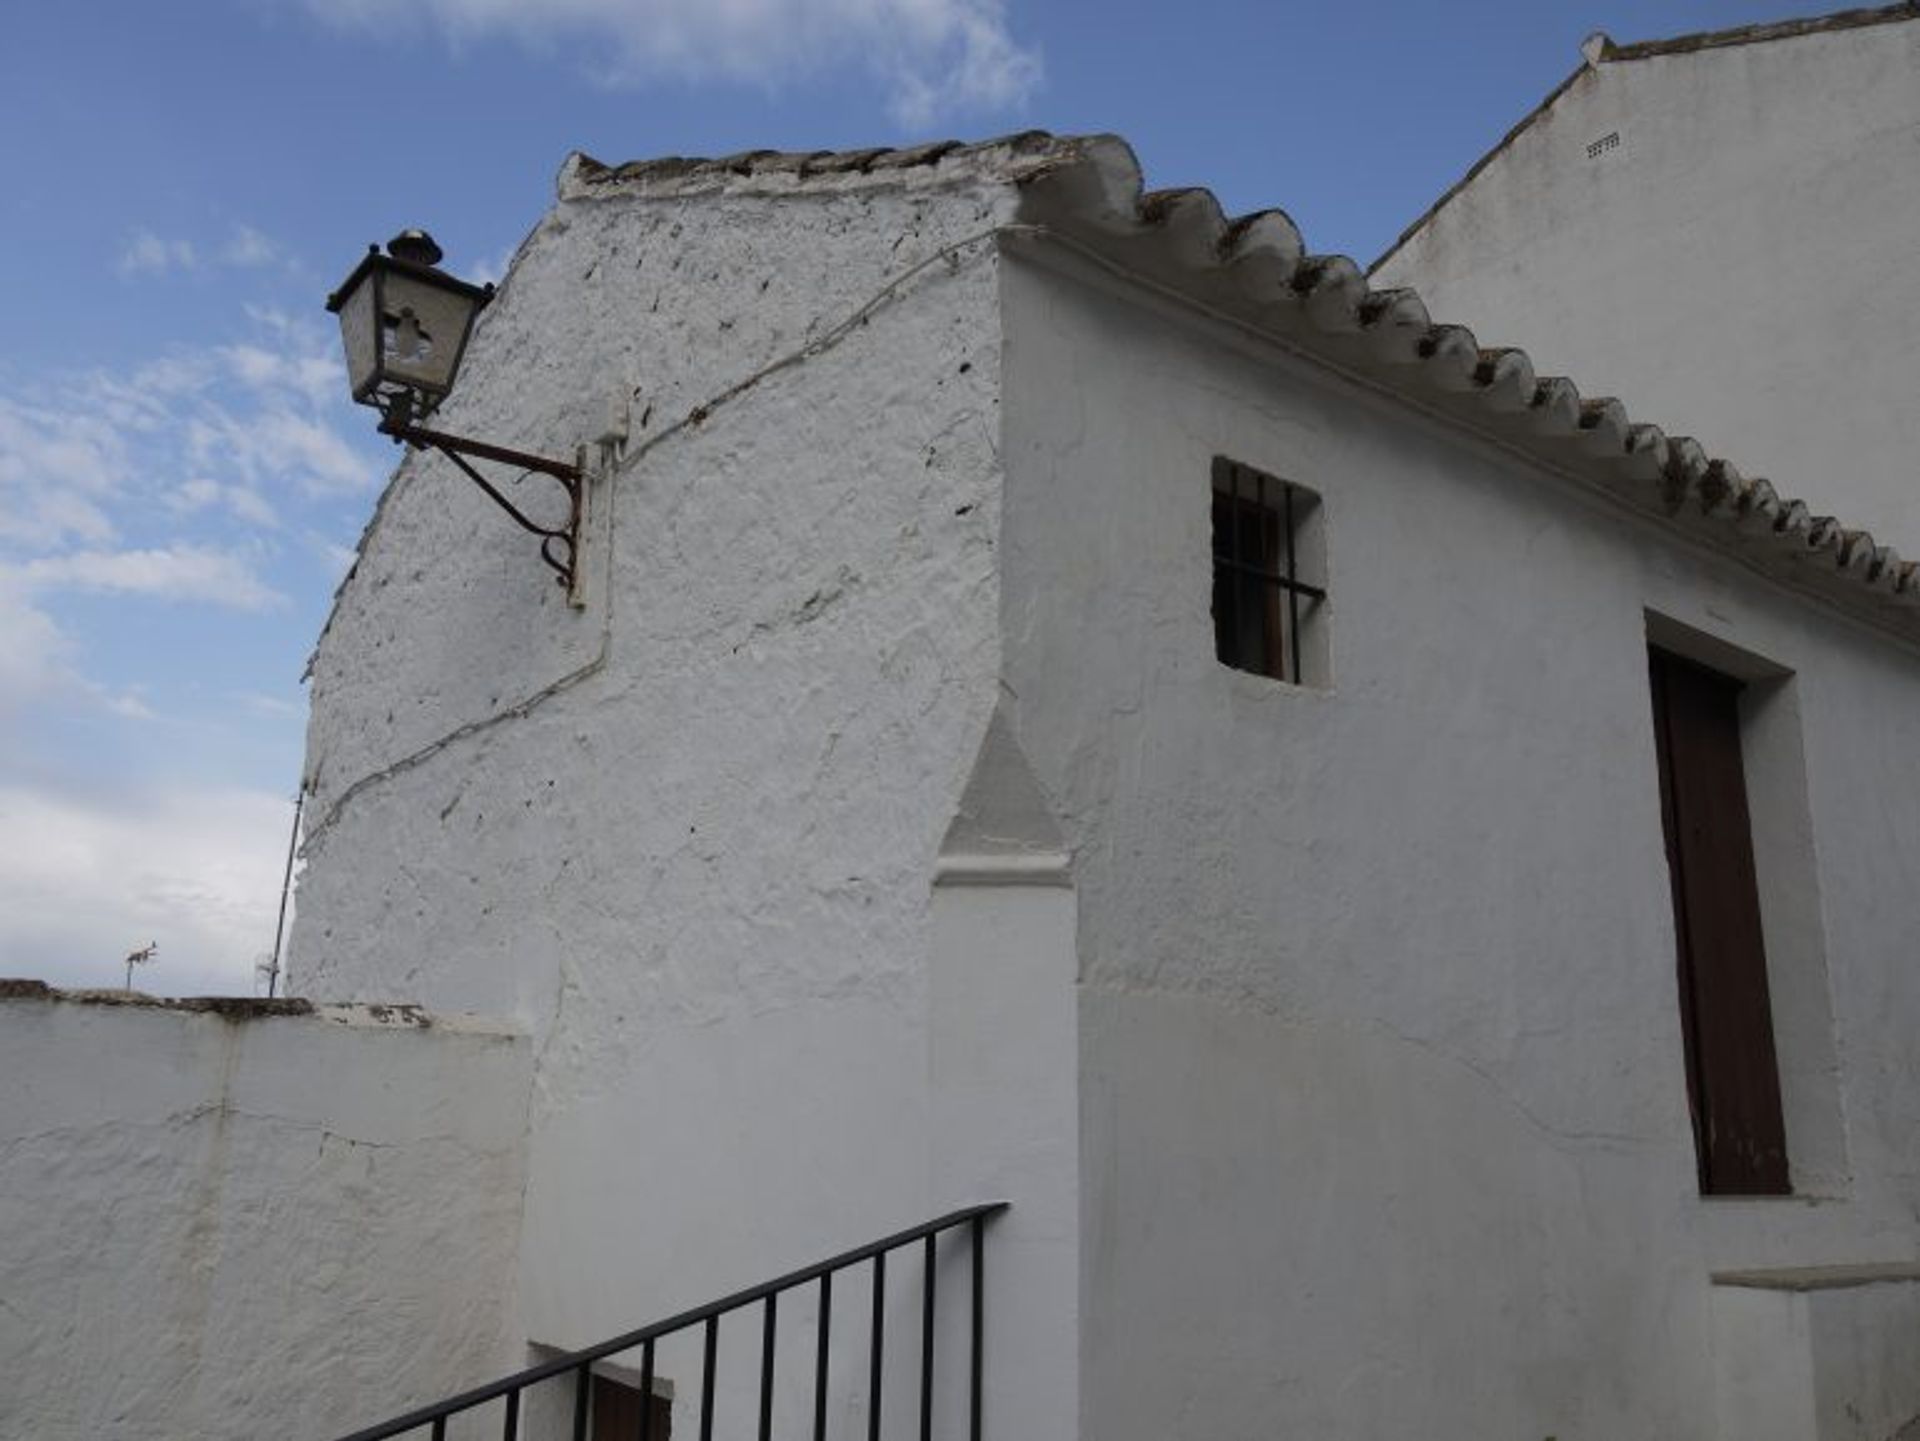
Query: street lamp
(404, 323)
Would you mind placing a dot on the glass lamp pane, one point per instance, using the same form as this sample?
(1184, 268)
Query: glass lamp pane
(359, 334)
(422, 332)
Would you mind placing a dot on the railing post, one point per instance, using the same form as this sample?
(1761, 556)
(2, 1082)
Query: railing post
(820, 1358)
(926, 1340)
(978, 1226)
(879, 1332)
(766, 1370)
(646, 1392)
(706, 1378)
(582, 1390)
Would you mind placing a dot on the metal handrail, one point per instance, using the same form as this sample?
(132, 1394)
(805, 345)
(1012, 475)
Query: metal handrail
(580, 1362)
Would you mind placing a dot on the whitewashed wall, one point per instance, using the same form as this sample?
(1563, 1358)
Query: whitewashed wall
(1739, 267)
(1384, 1120)
(1377, 1115)
(700, 869)
(225, 1224)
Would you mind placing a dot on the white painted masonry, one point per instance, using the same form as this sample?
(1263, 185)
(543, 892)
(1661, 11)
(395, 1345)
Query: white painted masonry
(1739, 265)
(1385, 1123)
(883, 836)
(240, 1219)
(701, 872)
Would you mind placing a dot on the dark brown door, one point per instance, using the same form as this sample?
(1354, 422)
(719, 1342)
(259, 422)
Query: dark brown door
(1733, 1079)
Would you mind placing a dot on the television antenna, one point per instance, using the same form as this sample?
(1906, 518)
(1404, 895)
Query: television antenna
(143, 956)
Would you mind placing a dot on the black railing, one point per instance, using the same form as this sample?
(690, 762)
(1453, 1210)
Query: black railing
(509, 1391)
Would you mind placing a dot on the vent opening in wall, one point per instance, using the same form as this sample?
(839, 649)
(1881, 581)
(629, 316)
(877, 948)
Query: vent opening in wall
(1609, 141)
(1269, 575)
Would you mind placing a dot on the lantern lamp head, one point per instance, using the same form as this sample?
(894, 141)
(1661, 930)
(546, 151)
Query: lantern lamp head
(405, 324)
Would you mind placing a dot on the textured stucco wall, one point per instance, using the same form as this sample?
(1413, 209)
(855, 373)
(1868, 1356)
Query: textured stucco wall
(1375, 1058)
(700, 873)
(214, 1227)
(1739, 268)
(1384, 1118)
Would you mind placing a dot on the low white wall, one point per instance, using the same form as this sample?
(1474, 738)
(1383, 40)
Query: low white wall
(248, 1219)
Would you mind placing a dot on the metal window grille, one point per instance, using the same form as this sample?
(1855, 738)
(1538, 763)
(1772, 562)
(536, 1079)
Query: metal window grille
(1259, 597)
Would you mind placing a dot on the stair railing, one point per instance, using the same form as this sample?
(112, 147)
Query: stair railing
(508, 1390)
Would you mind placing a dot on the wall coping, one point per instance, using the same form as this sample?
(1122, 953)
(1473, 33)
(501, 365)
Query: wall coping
(374, 1014)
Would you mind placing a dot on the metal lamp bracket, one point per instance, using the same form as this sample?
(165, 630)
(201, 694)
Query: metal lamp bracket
(559, 546)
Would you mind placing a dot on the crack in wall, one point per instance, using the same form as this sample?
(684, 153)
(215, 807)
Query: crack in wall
(696, 416)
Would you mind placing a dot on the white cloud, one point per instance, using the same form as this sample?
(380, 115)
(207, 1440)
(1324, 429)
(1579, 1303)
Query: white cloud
(336, 557)
(58, 469)
(281, 443)
(248, 248)
(235, 427)
(931, 57)
(271, 707)
(489, 269)
(34, 655)
(148, 254)
(251, 506)
(200, 494)
(129, 705)
(84, 880)
(197, 494)
(315, 377)
(180, 572)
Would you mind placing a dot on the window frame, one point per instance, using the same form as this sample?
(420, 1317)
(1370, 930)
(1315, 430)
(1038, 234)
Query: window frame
(1260, 625)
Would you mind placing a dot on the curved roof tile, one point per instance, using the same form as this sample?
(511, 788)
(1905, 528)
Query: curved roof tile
(1087, 193)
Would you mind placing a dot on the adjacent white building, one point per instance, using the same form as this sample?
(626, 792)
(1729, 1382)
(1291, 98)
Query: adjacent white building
(1080, 702)
(1718, 229)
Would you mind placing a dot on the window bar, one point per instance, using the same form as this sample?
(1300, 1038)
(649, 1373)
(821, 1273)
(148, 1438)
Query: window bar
(1265, 560)
(439, 1428)
(706, 1378)
(646, 1392)
(582, 1389)
(820, 1359)
(510, 1427)
(766, 1369)
(1234, 554)
(979, 1295)
(1293, 594)
(879, 1337)
(926, 1344)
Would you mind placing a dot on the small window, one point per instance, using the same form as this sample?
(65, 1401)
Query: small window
(1269, 568)
(1726, 1015)
(619, 1411)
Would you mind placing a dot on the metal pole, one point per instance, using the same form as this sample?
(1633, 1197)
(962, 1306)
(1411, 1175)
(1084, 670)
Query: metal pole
(286, 884)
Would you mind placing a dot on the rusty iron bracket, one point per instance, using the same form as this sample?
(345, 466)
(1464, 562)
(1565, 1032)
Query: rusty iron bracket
(559, 547)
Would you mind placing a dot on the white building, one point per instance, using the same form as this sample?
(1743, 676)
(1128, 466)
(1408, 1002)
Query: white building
(886, 832)
(1716, 228)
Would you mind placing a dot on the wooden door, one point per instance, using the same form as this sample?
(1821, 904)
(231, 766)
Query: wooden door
(1733, 1080)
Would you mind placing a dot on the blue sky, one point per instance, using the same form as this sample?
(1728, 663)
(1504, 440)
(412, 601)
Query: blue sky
(181, 478)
